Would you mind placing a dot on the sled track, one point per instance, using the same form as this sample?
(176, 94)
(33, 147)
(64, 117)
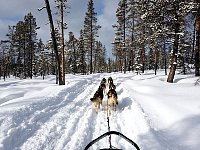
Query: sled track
(51, 120)
(67, 121)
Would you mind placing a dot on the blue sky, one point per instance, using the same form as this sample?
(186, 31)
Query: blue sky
(12, 11)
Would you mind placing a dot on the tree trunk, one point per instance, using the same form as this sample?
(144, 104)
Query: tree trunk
(74, 57)
(132, 43)
(124, 37)
(193, 44)
(197, 45)
(24, 57)
(91, 53)
(156, 61)
(165, 57)
(62, 44)
(174, 54)
(91, 48)
(54, 40)
(143, 49)
(31, 51)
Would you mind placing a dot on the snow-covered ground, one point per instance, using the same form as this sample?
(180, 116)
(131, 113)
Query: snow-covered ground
(40, 115)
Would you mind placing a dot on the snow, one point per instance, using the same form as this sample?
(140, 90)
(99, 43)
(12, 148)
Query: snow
(38, 114)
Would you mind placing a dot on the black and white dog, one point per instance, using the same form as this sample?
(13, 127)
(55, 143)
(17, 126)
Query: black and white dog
(104, 85)
(97, 99)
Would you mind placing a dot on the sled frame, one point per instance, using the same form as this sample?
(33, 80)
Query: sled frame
(109, 133)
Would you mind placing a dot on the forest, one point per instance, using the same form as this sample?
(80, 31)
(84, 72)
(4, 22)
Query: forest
(149, 35)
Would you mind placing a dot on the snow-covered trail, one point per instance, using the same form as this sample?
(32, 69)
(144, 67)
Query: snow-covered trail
(50, 123)
(65, 119)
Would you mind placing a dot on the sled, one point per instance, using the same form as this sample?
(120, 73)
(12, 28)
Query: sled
(111, 147)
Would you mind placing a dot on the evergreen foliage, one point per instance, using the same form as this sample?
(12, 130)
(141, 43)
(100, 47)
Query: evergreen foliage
(90, 33)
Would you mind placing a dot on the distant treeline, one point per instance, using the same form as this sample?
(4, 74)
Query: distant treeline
(156, 34)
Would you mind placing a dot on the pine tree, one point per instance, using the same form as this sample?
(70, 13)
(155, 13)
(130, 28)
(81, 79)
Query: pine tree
(150, 59)
(131, 4)
(40, 62)
(51, 58)
(19, 45)
(4, 59)
(164, 22)
(120, 39)
(72, 54)
(90, 31)
(61, 6)
(174, 10)
(11, 53)
(30, 27)
(81, 62)
(99, 57)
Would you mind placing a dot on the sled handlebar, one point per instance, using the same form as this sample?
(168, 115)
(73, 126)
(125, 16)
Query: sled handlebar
(109, 133)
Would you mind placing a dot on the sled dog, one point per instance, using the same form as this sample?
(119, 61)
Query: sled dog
(112, 100)
(97, 99)
(103, 81)
(103, 84)
(111, 84)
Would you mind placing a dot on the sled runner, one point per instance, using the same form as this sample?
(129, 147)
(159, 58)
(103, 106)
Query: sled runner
(111, 147)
